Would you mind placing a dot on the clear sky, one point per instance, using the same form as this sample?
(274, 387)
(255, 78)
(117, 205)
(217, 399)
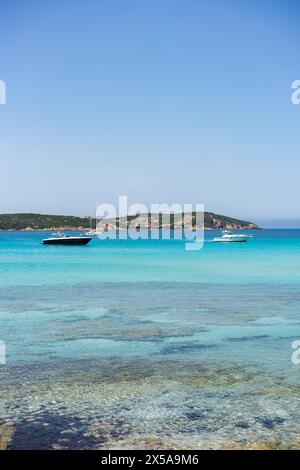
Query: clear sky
(163, 100)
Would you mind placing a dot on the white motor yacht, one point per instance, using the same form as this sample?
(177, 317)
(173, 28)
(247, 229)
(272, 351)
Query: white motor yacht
(228, 236)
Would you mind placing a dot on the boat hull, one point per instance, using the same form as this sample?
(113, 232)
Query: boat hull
(223, 240)
(67, 241)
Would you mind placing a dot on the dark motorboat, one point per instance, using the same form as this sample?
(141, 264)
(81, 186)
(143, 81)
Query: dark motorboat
(62, 239)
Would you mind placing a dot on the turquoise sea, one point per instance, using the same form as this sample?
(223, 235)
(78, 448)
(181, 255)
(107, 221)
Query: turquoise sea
(142, 344)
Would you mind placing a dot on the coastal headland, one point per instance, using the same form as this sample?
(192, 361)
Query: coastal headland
(38, 222)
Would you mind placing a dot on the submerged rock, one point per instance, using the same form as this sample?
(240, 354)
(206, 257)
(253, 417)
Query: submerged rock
(6, 433)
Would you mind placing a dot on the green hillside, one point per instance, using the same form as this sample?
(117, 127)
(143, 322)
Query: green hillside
(40, 221)
(44, 222)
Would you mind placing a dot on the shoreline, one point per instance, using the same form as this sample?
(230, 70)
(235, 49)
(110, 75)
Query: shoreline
(85, 229)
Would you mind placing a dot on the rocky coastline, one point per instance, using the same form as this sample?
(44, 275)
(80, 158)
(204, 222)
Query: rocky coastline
(40, 222)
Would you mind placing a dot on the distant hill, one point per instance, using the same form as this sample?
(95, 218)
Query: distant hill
(41, 222)
(211, 221)
(65, 222)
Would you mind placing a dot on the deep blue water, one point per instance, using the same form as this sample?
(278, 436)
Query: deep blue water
(143, 343)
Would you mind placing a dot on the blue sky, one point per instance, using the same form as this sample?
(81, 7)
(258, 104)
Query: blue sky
(165, 101)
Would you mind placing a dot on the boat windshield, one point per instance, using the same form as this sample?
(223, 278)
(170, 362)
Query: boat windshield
(58, 234)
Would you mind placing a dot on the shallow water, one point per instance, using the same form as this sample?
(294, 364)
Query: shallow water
(142, 344)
